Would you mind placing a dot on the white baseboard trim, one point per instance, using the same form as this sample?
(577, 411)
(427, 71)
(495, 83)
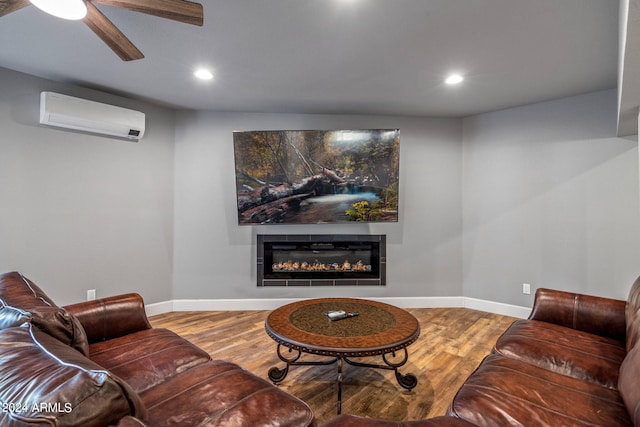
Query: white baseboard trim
(498, 308)
(271, 304)
(231, 304)
(159, 308)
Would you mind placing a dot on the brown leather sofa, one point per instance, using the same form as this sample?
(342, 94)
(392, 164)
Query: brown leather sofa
(100, 363)
(574, 362)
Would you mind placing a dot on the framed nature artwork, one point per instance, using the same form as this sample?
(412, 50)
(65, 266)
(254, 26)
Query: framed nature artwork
(317, 176)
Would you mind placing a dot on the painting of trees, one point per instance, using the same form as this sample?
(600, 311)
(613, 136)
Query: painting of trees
(316, 176)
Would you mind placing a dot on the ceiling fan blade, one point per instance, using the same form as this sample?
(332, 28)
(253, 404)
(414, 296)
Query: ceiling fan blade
(178, 10)
(8, 6)
(111, 35)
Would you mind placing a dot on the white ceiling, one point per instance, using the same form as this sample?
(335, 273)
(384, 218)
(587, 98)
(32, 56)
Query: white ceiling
(336, 56)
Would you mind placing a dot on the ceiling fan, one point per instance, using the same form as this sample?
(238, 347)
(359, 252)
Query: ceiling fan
(177, 10)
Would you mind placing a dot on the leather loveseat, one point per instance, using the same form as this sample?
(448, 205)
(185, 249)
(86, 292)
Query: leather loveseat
(100, 363)
(574, 362)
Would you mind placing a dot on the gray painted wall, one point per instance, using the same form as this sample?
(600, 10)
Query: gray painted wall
(215, 258)
(80, 211)
(551, 199)
(542, 193)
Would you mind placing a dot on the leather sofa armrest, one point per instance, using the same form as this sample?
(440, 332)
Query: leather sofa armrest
(111, 317)
(587, 313)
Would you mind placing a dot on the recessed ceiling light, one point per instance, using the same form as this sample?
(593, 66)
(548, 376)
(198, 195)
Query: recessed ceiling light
(454, 79)
(203, 74)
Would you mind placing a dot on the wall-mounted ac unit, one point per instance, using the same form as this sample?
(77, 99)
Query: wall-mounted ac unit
(90, 116)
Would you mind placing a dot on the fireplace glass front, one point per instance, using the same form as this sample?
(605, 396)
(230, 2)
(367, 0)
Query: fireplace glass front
(325, 260)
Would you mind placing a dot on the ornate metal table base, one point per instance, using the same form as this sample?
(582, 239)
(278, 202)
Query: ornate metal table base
(379, 329)
(408, 381)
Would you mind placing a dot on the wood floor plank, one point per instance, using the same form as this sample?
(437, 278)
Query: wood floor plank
(453, 341)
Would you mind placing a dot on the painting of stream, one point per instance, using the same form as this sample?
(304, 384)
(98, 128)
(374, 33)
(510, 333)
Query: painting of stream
(317, 176)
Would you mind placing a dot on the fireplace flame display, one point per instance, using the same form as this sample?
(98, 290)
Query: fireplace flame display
(321, 260)
(316, 266)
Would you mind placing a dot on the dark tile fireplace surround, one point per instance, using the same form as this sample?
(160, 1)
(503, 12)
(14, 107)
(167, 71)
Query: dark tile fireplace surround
(321, 259)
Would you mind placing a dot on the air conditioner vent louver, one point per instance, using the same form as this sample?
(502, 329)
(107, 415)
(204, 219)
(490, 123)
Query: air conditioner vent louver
(80, 114)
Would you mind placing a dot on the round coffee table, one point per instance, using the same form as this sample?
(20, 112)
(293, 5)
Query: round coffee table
(378, 329)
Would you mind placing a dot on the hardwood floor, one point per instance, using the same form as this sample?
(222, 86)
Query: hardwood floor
(452, 343)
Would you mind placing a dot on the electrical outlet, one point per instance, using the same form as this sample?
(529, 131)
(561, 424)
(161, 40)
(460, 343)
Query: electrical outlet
(91, 294)
(526, 288)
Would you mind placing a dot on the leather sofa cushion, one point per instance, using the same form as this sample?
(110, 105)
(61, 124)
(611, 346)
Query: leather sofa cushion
(630, 383)
(146, 358)
(632, 315)
(43, 381)
(20, 293)
(220, 393)
(11, 316)
(563, 350)
(504, 391)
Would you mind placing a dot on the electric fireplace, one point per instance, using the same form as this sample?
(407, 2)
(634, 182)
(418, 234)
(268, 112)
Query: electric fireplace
(321, 260)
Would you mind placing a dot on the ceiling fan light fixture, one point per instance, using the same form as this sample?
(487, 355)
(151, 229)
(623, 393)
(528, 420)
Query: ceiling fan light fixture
(454, 79)
(65, 9)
